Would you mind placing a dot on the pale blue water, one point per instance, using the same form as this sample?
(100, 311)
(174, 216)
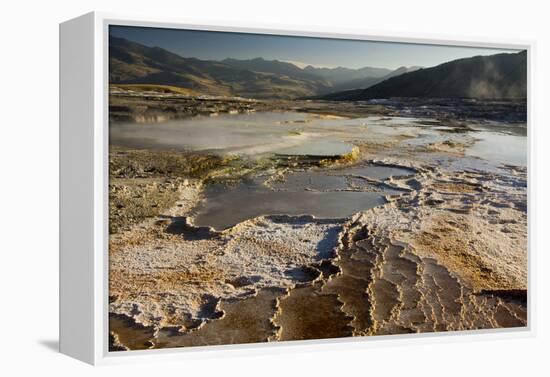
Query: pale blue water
(500, 147)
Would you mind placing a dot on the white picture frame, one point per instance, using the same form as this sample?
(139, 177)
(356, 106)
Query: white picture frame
(84, 191)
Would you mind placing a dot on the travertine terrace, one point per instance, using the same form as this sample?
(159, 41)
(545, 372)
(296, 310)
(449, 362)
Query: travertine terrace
(445, 250)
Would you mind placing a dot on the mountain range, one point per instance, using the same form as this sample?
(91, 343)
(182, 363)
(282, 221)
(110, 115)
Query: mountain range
(134, 63)
(495, 76)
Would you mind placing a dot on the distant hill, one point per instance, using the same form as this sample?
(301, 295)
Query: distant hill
(490, 77)
(329, 79)
(367, 82)
(134, 63)
(275, 67)
(340, 75)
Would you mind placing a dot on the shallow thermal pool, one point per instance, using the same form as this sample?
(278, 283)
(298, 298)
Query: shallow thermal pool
(225, 208)
(257, 133)
(500, 147)
(323, 194)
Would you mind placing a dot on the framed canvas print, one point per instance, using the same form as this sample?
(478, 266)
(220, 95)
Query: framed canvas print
(228, 188)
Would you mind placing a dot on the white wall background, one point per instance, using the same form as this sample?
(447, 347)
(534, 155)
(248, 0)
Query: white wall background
(29, 183)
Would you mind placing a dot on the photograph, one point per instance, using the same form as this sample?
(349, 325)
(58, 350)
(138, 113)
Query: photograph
(272, 188)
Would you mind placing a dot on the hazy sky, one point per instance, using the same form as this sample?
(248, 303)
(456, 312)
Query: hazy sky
(319, 52)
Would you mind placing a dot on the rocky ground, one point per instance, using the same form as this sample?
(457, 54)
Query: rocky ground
(448, 252)
(153, 107)
(147, 106)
